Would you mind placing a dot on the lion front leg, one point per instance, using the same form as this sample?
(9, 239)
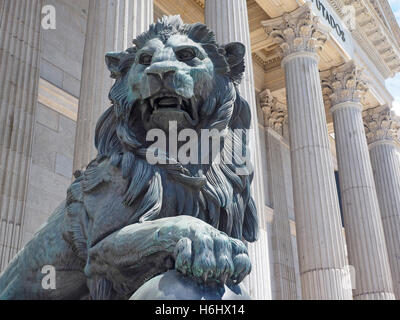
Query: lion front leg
(131, 256)
(209, 255)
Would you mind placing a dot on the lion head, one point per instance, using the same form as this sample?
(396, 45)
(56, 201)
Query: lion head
(176, 72)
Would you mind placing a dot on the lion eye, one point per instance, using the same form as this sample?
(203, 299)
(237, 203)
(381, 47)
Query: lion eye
(185, 54)
(145, 59)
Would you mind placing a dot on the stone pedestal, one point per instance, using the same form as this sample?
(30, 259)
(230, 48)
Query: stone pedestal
(229, 20)
(111, 26)
(321, 245)
(19, 64)
(382, 129)
(362, 219)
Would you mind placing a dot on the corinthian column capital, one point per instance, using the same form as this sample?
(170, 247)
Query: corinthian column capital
(344, 84)
(275, 113)
(297, 32)
(381, 125)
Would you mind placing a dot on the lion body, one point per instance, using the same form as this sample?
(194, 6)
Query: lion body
(125, 220)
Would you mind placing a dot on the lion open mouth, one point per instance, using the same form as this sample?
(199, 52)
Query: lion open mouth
(169, 103)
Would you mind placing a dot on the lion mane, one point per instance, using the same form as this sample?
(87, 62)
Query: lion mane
(220, 197)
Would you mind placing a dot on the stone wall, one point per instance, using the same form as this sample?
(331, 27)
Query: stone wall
(51, 168)
(53, 145)
(62, 48)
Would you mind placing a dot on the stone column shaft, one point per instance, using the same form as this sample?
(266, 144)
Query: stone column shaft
(321, 245)
(229, 20)
(362, 219)
(284, 278)
(19, 77)
(111, 26)
(382, 133)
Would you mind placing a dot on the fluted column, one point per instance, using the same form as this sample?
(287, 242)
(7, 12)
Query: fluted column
(362, 219)
(383, 135)
(19, 77)
(321, 246)
(284, 278)
(229, 20)
(111, 26)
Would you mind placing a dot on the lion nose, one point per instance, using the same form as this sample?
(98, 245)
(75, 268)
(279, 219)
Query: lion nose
(161, 71)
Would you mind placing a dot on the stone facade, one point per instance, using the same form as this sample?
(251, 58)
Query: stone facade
(19, 56)
(314, 112)
(62, 49)
(365, 241)
(111, 26)
(51, 169)
(383, 132)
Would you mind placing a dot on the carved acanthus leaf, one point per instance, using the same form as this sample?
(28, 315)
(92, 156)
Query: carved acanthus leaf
(275, 113)
(381, 124)
(297, 31)
(345, 83)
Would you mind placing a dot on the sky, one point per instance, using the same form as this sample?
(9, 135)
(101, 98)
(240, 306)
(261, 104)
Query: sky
(393, 84)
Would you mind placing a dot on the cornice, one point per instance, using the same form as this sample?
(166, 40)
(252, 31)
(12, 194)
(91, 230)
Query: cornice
(378, 10)
(338, 6)
(388, 17)
(257, 59)
(375, 38)
(268, 64)
(382, 9)
(372, 53)
(375, 31)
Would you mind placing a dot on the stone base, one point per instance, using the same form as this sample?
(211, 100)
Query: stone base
(172, 285)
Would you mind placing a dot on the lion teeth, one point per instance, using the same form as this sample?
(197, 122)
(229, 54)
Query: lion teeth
(180, 102)
(152, 102)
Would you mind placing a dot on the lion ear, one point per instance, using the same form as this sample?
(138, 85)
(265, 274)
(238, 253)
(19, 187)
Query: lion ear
(113, 62)
(117, 62)
(234, 53)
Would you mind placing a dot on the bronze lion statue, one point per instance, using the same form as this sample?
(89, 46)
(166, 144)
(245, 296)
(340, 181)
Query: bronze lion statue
(126, 220)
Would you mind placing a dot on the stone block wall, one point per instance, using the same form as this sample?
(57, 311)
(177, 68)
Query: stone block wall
(51, 168)
(62, 48)
(61, 62)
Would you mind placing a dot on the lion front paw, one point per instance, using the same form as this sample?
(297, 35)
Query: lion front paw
(212, 257)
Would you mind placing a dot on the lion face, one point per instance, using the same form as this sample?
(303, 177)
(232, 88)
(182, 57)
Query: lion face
(177, 72)
(173, 73)
(171, 81)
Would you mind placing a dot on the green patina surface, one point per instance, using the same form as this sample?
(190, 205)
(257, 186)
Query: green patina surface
(125, 220)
